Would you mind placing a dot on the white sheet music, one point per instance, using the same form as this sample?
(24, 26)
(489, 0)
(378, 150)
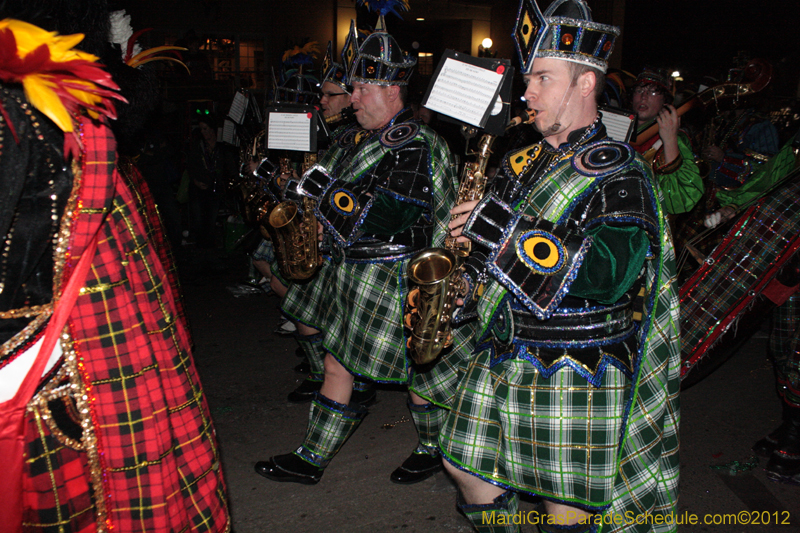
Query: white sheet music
(238, 108)
(229, 133)
(289, 131)
(464, 91)
(617, 125)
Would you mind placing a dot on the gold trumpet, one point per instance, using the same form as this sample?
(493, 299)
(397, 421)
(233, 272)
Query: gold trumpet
(434, 274)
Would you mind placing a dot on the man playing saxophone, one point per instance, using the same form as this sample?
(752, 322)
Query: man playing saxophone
(383, 191)
(573, 392)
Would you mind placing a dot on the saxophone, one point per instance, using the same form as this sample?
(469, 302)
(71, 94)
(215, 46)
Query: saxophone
(434, 274)
(295, 234)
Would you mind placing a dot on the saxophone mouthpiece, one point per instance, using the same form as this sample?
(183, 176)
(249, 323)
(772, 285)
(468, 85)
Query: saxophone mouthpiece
(526, 117)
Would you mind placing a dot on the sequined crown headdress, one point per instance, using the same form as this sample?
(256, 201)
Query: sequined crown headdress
(565, 31)
(378, 59)
(333, 72)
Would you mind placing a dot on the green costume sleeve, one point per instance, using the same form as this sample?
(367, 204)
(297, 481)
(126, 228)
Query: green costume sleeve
(683, 187)
(612, 265)
(762, 179)
(389, 216)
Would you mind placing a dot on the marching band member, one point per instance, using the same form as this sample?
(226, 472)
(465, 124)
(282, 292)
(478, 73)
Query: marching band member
(573, 393)
(383, 192)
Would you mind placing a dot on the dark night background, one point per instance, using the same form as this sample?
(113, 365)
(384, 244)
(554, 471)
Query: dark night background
(702, 37)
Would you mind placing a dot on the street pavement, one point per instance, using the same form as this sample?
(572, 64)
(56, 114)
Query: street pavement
(247, 372)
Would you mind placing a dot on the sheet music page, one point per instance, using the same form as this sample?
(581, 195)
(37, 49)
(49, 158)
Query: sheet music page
(617, 125)
(238, 108)
(289, 131)
(229, 133)
(463, 91)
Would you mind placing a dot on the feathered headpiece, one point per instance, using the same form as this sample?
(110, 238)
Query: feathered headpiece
(565, 31)
(122, 34)
(383, 8)
(298, 56)
(378, 58)
(58, 80)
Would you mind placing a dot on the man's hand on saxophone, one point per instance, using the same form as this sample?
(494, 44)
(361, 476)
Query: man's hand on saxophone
(460, 215)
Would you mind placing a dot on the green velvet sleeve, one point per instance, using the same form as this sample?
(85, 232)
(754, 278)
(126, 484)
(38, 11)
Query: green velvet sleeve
(762, 179)
(389, 216)
(682, 188)
(612, 264)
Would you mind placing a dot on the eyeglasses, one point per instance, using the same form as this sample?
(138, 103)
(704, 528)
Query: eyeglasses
(641, 91)
(331, 95)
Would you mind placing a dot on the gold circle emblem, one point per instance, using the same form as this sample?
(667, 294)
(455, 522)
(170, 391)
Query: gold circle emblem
(541, 250)
(343, 202)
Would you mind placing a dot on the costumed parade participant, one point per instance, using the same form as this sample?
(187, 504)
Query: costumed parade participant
(572, 395)
(337, 113)
(382, 192)
(670, 150)
(113, 428)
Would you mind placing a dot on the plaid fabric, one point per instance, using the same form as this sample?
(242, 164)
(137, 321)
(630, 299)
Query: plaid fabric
(264, 252)
(761, 242)
(330, 424)
(497, 517)
(784, 343)
(155, 229)
(428, 421)
(359, 306)
(314, 352)
(146, 458)
(440, 383)
(611, 448)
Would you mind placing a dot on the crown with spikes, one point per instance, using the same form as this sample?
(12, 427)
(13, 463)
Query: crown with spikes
(333, 72)
(565, 31)
(377, 58)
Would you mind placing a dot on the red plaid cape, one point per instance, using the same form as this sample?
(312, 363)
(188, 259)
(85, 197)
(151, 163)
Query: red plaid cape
(146, 458)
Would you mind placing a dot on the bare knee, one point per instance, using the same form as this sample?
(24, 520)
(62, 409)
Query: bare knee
(306, 331)
(334, 370)
(277, 287)
(473, 490)
(566, 514)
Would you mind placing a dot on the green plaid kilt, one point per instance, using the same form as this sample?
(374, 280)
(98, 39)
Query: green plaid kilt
(609, 449)
(370, 353)
(359, 308)
(439, 383)
(559, 438)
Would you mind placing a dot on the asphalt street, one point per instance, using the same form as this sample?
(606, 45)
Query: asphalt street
(247, 372)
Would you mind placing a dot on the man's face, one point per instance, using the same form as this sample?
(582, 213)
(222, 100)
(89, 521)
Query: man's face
(647, 101)
(548, 85)
(333, 100)
(371, 104)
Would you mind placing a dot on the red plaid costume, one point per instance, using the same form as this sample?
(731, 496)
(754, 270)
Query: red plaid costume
(119, 436)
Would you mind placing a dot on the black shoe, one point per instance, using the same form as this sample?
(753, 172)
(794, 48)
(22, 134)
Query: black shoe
(784, 463)
(365, 397)
(305, 392)
(303, 368)
(289, 468)
(767, 445)
(418, 467)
